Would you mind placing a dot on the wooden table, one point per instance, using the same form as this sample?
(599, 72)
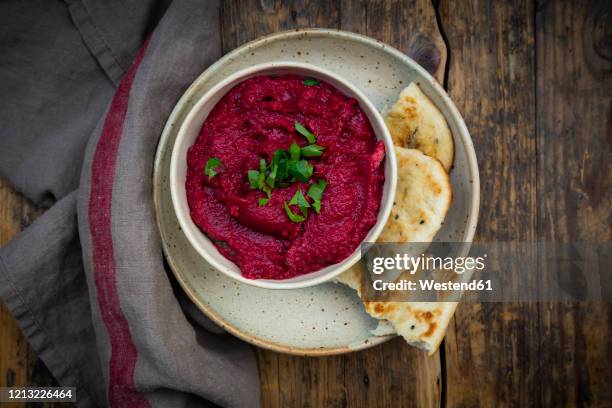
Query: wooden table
(534, 84)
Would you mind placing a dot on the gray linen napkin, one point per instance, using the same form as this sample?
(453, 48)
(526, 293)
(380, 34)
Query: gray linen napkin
(80, 125)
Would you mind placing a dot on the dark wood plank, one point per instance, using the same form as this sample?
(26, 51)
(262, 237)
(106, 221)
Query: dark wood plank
(550, 169)
(574, 135)
(244, 20)
(409, 26)
(492, 349)
(14, 349)
(394, 374)
(19, 364)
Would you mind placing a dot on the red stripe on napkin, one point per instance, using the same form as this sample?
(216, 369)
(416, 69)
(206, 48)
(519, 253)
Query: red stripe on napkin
(121, 392)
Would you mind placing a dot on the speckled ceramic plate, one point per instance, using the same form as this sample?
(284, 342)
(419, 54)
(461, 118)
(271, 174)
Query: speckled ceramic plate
(328, 318)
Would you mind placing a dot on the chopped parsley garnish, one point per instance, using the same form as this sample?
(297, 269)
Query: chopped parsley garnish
(310, 82)
(257, 179)
(211, 165)
(271, 180)
(294, 151)
(293, 217)
(312, 150)
(289, 166)
(316, 193)
(266, 189)
(261, 177)
(253, 178)
(305, 132)
(299, 200)
(278, 166)
(300, 170)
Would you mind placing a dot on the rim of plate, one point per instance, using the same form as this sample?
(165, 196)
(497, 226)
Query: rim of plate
(463, 136)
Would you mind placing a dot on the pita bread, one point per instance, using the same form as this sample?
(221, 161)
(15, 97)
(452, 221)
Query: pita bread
(415, 122)
(422, 198)
(351, 278)
(421, 324)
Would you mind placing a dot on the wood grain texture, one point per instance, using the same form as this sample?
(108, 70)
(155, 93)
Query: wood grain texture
(19, 364)
(491, 349)
(16, 357)
(409, 26)
(574, 188)
(394, 374)
(534, 87)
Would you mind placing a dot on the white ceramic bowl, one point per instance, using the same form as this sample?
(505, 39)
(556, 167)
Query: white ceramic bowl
(189, 131)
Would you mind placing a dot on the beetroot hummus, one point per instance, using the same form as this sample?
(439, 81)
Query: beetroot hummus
(259, 227)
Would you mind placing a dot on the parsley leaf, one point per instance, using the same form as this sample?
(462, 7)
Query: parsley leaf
(293, 217)
(211, 165)
(301, 170)
(262, 174)
(316, 189)
(253, 178)
(316, 193)
(312, 150)
(305, 132)
(272, 177)
(294, 151)
(279, 166)
(266, 189)
(310, 82)
(299, 200)
(263, 201)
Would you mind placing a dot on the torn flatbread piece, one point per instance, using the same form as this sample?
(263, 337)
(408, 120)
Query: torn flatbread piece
(421, 324)
(422, 199)
(415, 122)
